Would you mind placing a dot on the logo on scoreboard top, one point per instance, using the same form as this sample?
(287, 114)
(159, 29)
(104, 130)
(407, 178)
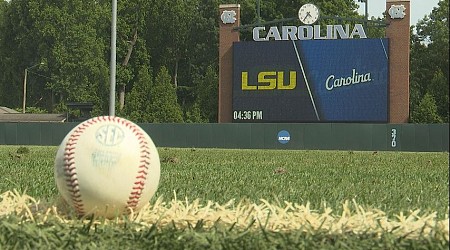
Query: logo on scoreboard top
(228, 16)
(309, 32)
(308, 14)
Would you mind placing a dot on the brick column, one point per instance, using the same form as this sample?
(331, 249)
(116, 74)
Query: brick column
(229, 15)
(399, 46)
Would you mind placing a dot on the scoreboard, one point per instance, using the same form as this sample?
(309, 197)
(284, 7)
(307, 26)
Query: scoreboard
(343, 80)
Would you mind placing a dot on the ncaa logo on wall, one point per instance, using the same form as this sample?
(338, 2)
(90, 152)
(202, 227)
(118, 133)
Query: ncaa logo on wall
(283, 137)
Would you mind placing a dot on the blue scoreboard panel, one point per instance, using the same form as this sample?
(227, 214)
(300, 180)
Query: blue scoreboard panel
(343, 80)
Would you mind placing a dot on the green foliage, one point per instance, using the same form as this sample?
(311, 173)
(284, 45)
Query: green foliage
(138, 100)
(430, 66)
(33, 110)
(168, 49)
(76, 50)
(72, 38)
(193, 115)
(375, 30)
(207, 89)
(69, 38)
(188, 44)
(426, 112)
(18, 50)
(163, 106)
(2, 22)
(439, 88)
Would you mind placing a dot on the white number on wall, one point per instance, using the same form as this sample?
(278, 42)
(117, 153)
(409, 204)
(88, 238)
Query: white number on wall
(394, 137)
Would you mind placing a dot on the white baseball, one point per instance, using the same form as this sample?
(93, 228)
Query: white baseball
(107, 166)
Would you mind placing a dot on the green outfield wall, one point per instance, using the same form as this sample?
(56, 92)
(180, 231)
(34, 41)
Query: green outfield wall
(305, 136)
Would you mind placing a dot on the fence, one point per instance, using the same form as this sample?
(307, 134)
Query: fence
(304, 136)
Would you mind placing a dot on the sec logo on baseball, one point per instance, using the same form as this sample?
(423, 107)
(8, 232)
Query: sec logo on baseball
(107, 166)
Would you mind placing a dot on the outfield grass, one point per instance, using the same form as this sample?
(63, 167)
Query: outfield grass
(390, 181)
(393, 182)
(386, 180)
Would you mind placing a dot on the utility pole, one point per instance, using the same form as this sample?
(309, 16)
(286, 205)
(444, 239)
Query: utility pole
(25, 86)
(24, 91)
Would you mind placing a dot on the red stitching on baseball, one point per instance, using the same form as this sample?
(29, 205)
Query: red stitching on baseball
(143, 171)
(70, 170)
(70, 166)
(141, 175)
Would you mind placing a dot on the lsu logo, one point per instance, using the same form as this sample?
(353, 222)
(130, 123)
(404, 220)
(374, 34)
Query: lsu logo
(270, 80)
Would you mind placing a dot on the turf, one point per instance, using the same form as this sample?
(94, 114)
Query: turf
(394, 182)
(390, 181)
(59, 236)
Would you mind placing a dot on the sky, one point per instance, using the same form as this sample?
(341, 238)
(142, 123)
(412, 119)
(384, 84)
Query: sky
(419, 8)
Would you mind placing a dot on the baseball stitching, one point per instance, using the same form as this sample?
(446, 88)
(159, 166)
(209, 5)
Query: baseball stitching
(70, 168)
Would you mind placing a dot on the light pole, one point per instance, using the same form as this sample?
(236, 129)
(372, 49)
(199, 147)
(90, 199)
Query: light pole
(112, 91)
(25, 85)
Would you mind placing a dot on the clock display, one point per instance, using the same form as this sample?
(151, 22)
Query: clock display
(308, 13)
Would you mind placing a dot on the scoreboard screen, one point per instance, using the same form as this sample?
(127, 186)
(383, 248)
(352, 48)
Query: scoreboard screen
(343, 80)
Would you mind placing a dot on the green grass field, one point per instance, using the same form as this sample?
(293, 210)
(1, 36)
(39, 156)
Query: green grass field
(392, 182)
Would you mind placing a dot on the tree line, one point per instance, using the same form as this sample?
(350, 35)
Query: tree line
(167, 55)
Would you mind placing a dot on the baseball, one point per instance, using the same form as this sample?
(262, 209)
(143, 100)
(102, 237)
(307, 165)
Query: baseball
(107, 166)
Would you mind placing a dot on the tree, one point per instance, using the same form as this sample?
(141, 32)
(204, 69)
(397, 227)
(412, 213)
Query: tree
(426, 112)
(429, 62)
(73, 43)
(138, 108)
(163, 105)
(206, 88)
(193, 115)
(18, 49)
(172, 21)
(69, 37)
(2, 65)
(438, 88)
(130, 24)
(186, 42)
